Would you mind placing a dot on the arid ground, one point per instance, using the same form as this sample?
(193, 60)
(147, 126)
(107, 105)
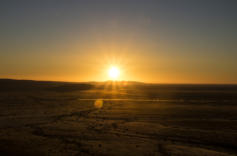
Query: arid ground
(117, 118)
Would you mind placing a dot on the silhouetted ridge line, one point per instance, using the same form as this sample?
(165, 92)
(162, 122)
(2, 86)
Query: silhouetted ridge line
(31, 85)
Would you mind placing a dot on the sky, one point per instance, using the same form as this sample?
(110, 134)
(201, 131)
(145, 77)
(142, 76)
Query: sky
(157, 41)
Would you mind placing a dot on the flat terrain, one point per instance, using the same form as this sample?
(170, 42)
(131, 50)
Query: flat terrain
(126, 118)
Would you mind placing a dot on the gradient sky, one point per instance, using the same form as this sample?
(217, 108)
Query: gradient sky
(159, 41)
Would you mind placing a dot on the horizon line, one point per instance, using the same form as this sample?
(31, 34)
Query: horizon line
(149, 83)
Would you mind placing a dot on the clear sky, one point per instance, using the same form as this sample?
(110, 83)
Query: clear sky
(159, 41)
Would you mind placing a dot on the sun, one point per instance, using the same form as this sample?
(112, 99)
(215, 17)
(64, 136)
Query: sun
(113, 72)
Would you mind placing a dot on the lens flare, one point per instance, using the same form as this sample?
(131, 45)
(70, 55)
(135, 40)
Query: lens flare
(98, 103)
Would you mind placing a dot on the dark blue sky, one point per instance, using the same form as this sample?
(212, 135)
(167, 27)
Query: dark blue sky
(185, 41)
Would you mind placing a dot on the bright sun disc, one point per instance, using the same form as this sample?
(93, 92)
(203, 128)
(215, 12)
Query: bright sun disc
(113, 73)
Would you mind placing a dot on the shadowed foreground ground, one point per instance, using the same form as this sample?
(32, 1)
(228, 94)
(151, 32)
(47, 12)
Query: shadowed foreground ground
(50, 118)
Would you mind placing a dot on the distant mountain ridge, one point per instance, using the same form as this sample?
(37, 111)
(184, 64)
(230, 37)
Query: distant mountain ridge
(59, 86)
(32, 85)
